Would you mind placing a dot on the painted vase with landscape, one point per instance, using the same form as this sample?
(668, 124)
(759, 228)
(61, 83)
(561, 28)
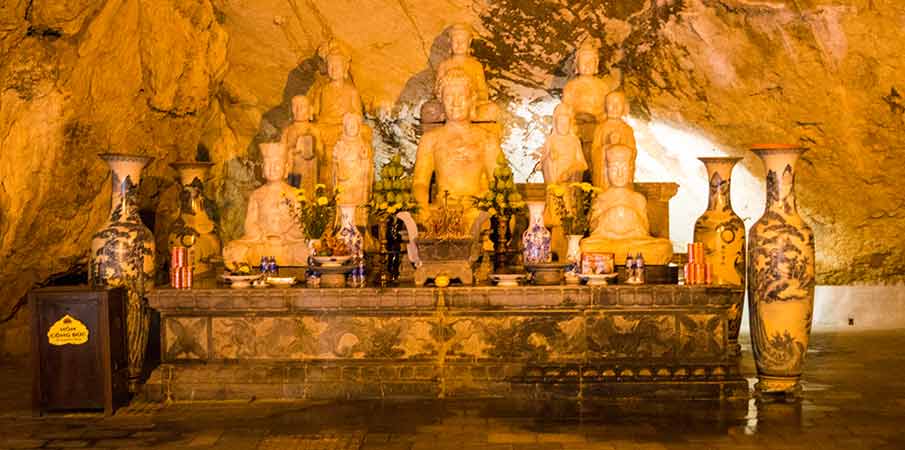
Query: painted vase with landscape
(536, 239)
(780, 277)
(122, 254)
(723, 234)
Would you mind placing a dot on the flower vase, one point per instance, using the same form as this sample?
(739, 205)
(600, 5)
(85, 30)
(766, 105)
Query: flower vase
(573, 252)
(723, 234)
(122, 255)
(536, 239)
(194, 229)
(500, 236)
(780, 277)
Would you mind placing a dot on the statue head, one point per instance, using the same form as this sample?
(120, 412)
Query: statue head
(620, 166)
(301, 108)
(563, 117)
(587, 58)
(616, 105)
(457, 95)
(351, 125)
(338, 60)
(460, 37)
(276, 160)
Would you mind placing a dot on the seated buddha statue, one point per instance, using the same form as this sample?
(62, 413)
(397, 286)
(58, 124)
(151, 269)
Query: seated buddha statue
(461, 154)
(270, 230)
(618, 221)
(460, 37)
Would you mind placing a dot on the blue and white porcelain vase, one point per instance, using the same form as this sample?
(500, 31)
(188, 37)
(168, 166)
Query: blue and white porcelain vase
(536, 239)
(122, 255)
(348, 233)
(780, 277)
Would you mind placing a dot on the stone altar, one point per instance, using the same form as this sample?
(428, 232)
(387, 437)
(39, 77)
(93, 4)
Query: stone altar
(526, 342)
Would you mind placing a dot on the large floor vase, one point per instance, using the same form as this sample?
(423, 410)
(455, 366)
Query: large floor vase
(780, 277)
(122, 255)
(723, 234)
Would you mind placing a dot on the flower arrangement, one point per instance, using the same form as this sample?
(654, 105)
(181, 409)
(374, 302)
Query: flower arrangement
(501, 199)
(315, 215)
(572, 203)
(392, 193)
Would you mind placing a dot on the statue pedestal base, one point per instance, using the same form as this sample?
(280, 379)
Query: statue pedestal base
(460, 270)
(655, 251)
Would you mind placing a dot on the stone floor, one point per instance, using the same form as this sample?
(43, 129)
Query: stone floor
(854, 397)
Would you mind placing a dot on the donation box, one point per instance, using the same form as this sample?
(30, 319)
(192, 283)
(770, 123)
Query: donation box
(78, 349)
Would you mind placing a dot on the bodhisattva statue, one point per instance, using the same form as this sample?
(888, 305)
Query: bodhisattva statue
(587, 92)
(353, 164)
(618, 219)
(612, 131)
(461, 36)
(463, 155)
(269, 228)
(306, 148)
(562, 162)
(331, 101)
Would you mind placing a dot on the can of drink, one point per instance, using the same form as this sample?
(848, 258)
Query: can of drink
(187, 277)
(700, 274)
(177, 277)
(691, 253)
(178, 256)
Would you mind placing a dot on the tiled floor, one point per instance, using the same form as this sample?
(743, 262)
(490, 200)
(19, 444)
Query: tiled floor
(854, 398)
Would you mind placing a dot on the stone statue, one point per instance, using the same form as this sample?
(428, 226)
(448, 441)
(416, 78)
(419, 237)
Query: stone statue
(353, 164)
(587, 92)
(619, 223)
(462, 154)
(331, 101)
(303, 140)
(562, 162)
(270, 230)
(611, 131)
(460, 36)
(561, 158)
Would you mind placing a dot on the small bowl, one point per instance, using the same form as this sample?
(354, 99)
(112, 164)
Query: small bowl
(507, 279)
(239, 281)
(598, 279)
(331, 261)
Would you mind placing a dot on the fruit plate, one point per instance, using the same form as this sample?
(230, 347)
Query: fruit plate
(239, 281)
(331, 261)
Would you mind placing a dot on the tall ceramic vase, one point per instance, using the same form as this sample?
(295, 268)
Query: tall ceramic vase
(780, 277)
(122, 254)
(536, 239)
(194, 229)
(723, 234)
(348, 232)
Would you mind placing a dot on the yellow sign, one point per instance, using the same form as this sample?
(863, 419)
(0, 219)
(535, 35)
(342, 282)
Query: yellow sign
(67, 330)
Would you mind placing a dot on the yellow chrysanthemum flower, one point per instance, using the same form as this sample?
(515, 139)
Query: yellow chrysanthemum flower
(559, 191)
(322, 200)
(586, 187)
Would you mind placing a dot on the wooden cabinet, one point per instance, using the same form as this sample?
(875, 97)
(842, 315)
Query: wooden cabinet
(78, 349)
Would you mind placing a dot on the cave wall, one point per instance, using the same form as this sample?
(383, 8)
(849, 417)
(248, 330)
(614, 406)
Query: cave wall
(160, 77)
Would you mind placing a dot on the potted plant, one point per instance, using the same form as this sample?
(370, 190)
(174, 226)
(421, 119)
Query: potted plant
(572, 204)
(391, 195)
(503, 202)
(315, 214)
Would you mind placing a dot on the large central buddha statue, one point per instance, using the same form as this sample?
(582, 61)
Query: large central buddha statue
(463, 155)
(270, 229)
(618, 219)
